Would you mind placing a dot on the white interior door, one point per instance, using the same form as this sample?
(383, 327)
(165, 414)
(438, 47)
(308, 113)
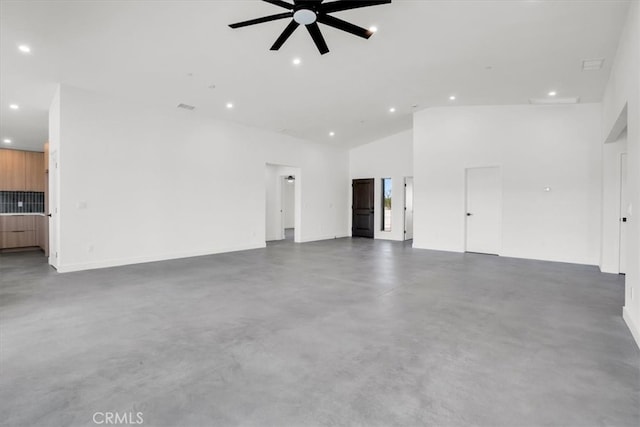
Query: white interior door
(624, 213)
(53, 208)
(483, 215)
(408, 208)
(283, 207)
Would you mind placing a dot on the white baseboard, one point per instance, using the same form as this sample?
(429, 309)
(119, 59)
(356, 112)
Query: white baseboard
(635, 330)
(153, 258)
(324, 237)
(68, 268)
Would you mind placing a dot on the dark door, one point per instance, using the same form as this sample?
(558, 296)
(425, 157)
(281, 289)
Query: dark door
(363, 214)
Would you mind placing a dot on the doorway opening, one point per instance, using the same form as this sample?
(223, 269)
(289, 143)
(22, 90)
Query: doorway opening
(615, 199)
(624, 214)
(289, 206)
(408, 208)
(52, 204)
(363, 210)
(483, 210)
(282, 203)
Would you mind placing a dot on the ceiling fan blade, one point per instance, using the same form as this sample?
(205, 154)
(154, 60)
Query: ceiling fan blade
(344, 26)
(337, 6)
(316, 35)
(280, 3)
(285, 35)
(261, 20)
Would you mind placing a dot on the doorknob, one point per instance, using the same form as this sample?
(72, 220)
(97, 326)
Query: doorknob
(469, 214)
(623, 219)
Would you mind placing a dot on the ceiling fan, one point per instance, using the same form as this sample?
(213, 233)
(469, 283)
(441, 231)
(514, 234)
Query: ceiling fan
(311, 12)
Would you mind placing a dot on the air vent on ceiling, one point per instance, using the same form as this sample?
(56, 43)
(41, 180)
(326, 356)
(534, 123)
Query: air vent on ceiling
(186, 107)
(592, 64)
(554, 101)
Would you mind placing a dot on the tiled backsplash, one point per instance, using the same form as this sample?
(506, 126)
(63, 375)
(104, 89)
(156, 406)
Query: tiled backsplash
(21, 201)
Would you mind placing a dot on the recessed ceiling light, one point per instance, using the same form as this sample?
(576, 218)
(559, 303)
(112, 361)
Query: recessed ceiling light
(373, 29)
(452, 98)
(392, 110)
(6, 141)
(24, 48)
(297, 61)
(553, 93)
(229, 105)
(332, 134)
(14, 106)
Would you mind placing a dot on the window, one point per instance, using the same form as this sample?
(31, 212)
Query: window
(386, 204)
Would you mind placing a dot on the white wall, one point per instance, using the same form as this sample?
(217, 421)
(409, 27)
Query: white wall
(389, 157)
(289, 204)
(610, 254)
(535, 147)
(139, 184)
(623, 89)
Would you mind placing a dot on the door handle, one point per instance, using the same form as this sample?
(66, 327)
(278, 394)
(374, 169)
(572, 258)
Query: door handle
(623, 219)
(469, 214)
(48, 215)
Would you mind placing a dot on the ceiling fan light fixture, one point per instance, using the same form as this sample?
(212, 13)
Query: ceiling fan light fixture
(304, 16)
(310, 13)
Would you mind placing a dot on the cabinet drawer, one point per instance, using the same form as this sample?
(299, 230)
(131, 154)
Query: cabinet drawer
(18, 239)
(17, 223)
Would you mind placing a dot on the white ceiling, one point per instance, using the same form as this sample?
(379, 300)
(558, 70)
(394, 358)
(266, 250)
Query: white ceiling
(163, 53)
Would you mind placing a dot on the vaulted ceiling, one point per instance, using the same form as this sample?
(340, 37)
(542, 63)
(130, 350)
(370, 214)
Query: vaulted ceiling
(163, 53)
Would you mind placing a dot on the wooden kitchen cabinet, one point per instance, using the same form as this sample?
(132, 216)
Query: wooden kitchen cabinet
(21, 170)
(19, 239)
(34, 175)
(10, 223)
(12, 170)
(42, 235)
(45, 157)
(18, 231)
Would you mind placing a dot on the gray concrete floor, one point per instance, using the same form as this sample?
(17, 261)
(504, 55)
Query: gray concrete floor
(342, 332)
(289, 233)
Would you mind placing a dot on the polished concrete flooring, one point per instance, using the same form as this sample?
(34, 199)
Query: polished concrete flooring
(342, 332)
